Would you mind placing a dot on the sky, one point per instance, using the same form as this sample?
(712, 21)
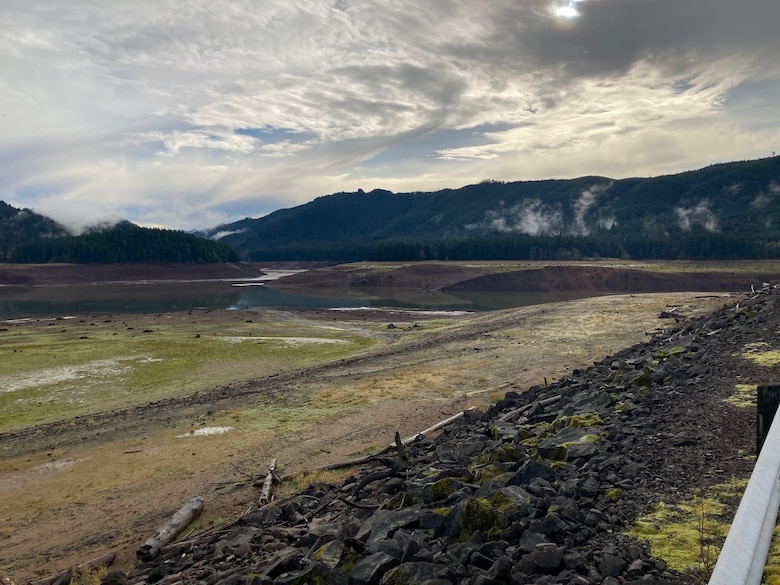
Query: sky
(189, 114)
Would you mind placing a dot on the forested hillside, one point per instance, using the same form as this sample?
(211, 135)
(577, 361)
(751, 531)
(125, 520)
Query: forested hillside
(27, 237)
(21, 226)
(723, 211)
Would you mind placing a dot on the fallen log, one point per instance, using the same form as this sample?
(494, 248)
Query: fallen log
(338, 465)
(437, 426)
(178, 522)
(265, 493)
(375, 456)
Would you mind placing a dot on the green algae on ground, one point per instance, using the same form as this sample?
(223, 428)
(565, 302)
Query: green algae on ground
(744, 396)
(441, 489)
(581, 420)
(79, 368)
(663, 354)
(687, 535)
(478, 514)
(760, 354)
(772, 567)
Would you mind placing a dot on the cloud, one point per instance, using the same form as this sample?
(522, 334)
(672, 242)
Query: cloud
(224, 233)
(181, 113)
(535, 218)
(699, 215)
(764, 198)
(583, 204)
(531, 217)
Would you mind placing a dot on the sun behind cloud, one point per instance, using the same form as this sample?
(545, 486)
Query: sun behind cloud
(567, 10)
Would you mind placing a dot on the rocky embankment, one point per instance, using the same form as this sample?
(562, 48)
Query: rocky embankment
(539, 489)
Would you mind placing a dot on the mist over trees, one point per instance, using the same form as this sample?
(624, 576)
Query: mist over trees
(26, 237)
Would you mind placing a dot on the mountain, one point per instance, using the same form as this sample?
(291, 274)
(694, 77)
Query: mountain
(729, 210)
(28, 237)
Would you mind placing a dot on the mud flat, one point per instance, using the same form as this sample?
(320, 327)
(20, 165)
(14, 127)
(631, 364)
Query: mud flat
(79, 487)
(98, 469)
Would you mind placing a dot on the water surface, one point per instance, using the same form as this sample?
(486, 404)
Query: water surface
(150, 297)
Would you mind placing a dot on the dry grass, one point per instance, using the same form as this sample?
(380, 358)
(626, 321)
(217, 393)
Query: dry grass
(300, 482)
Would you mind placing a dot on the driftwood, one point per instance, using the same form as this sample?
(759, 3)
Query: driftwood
(395, 465)
(375, 456)
(379, 454)
(400, 448)
(64, 577)
(338, 465)
(437, 426)
(513, 414)
(178, 522)
(265, 493)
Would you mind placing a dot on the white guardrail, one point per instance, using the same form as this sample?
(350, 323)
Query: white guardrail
(743, 556)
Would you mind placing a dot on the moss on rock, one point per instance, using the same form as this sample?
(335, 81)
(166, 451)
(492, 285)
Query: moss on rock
(478, 514)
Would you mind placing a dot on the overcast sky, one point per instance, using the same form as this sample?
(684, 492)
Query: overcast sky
(187, 114)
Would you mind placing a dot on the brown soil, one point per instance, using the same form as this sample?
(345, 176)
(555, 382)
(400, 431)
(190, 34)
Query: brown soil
(60, 274)
(602, 276)
(58, 508)
(596, 278)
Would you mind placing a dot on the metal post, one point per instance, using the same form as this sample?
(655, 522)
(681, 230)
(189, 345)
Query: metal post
(743, 557)
(767, 401)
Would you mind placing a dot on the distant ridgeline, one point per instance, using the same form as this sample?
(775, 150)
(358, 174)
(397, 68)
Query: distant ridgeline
(724, 211)
(28, 237)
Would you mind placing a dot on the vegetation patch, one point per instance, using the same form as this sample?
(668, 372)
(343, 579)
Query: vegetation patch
(478, 514)
(663, 354)
(760, 354)
(772, 568)
(744, 396)
(688, 535)
(766, 359)
(582, 420)
(296, 483)
(77, 367)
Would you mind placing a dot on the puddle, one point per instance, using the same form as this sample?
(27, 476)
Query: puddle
(404, 311)
(33, 320)
(206, 432)
(284, 340)
(267, 277)
(17, 479)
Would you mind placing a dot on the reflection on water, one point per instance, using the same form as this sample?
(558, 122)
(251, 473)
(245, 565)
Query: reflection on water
(400, 298)
(115, 298)
(163, 297)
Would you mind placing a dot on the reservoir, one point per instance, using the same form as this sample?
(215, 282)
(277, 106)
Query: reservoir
(157, 297)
